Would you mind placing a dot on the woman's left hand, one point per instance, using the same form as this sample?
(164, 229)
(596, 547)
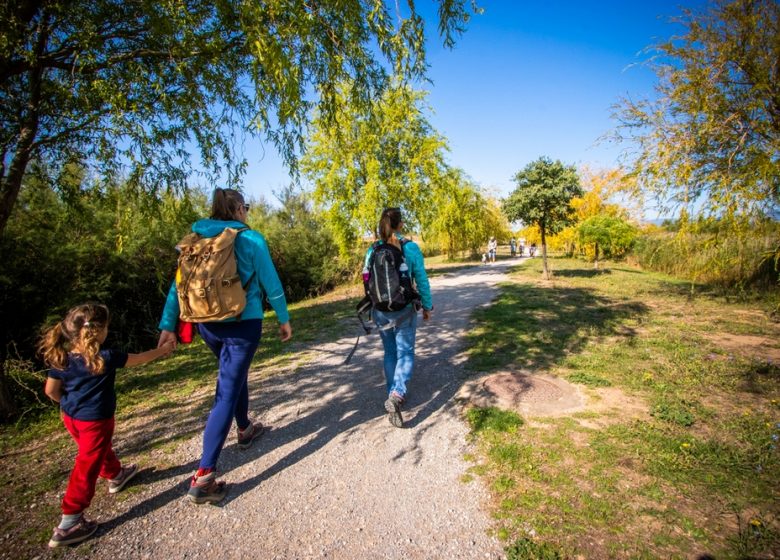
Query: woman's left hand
(285, 332)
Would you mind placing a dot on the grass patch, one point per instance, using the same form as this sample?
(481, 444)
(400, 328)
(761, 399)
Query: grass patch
(698, 474)
(588, 379)
(678, 412)
(492, 418)
(526, 549)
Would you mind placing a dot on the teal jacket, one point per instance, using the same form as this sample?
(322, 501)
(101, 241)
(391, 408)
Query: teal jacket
(253, 257)
(414, 260)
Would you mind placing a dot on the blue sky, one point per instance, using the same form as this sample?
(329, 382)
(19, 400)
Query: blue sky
(527, 79)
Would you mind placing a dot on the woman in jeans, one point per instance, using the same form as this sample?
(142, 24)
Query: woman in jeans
(232, 341)
(399, 340)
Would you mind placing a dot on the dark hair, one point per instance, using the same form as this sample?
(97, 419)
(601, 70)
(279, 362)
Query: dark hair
(389, 222)
(225, 204)
(77, 332)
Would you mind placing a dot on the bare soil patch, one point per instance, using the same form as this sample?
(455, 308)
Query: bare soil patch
(760, 348)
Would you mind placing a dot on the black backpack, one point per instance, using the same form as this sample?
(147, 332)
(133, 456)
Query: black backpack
(389, 284)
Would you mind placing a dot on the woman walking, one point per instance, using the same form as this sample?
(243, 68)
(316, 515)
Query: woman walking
(399, 340)
(233, 341)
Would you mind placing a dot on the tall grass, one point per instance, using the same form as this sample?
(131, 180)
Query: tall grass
(749, 259)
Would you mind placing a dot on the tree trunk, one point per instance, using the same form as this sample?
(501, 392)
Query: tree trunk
(544, 254)
(596, 260)
(11, 183)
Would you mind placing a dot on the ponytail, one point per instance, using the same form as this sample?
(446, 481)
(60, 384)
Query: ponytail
(53, 347)
(389, 223)
(225, 204)
(79, 332)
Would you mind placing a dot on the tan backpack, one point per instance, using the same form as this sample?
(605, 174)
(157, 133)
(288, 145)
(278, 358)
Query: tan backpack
(207, 280)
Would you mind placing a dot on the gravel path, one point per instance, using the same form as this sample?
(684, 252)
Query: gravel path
(333, 478)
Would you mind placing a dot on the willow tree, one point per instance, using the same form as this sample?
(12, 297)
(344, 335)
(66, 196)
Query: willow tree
(130, 87)
(463, 217)
(390, 156)
(543, 196)
(136, 84)
(710, 140)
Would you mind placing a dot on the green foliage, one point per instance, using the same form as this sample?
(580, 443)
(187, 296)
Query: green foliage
(462, 218)
(713, 134)
(492, 418)
(612, 236)
(115, 244)
(302, 247)
(137, 83)
(527, 549)
(544, 191)
(543, 196)
(388, 157)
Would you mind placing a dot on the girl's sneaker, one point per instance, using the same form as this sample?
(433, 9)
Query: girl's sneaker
(116, 484)
(206, 488)
(252, 432)
(79, 532)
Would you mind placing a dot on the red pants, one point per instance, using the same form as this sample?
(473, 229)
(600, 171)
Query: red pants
(95, 459)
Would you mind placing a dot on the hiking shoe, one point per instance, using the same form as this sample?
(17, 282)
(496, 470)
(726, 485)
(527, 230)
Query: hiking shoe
(393, 407)
(79, 532)
(206, 488)
(252, 432)
(116, 484)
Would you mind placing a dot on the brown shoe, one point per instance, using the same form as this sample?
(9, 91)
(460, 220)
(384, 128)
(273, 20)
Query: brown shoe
(81, 531)
(206, 489)
(393, 408)
(252, 432)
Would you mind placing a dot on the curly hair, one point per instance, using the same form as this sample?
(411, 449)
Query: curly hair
(78, 333)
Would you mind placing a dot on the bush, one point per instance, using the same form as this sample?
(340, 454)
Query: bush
(302, 247)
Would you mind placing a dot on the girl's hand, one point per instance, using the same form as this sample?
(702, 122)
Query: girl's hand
(167, 337)
(427, 314)
(168, 347)
(285, 332)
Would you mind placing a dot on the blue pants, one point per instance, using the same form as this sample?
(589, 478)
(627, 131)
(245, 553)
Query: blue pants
(234, 344)
(399, 348)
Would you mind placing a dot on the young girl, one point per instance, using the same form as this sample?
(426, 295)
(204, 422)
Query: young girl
(82, 381)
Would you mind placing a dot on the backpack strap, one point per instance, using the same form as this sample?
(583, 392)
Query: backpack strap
(252, 276)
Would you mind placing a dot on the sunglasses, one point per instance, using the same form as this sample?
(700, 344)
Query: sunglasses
(245, 207)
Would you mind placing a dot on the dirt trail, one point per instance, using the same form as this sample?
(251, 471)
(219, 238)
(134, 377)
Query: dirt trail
(333, 479)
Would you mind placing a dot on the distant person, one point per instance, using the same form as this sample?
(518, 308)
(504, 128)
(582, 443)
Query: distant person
(532, 250)
(399, 340)
(512, 247)
(81, 380)
(492, 247)
(233, 341)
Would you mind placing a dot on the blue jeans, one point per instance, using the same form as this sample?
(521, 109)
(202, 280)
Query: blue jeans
(234, 344)
(399, 348)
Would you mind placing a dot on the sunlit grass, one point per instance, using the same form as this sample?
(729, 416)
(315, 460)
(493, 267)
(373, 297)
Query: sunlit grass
(670, 483)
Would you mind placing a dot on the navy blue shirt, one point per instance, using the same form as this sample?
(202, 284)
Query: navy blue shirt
(86, 396)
